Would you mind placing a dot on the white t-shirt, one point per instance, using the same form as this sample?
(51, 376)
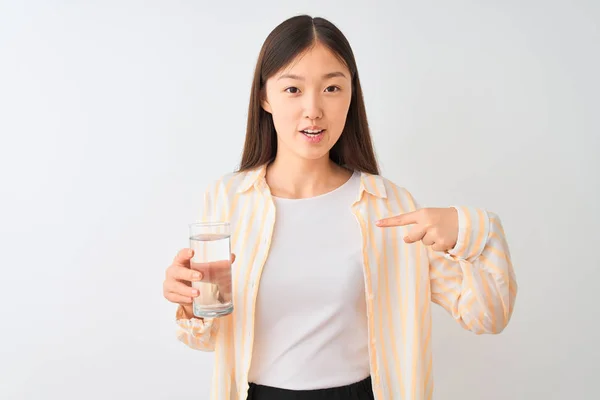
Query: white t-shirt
(311, 320)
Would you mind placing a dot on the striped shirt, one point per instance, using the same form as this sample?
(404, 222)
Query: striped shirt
(474, 282)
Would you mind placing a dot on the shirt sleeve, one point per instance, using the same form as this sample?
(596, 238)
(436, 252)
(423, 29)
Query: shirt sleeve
(196, 333)
(475, 281)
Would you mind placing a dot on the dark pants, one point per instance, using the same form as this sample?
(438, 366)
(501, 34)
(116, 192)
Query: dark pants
(357, 391)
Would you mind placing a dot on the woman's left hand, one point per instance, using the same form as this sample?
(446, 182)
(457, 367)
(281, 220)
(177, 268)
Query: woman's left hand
(435, 227)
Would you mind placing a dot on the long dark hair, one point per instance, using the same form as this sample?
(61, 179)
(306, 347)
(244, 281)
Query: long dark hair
(354, 149)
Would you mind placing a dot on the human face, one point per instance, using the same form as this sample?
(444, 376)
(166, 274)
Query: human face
(312, 93)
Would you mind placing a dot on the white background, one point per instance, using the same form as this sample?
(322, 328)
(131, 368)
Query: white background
(115, 114)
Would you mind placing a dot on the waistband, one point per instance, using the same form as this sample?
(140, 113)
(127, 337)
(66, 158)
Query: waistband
(359, 390)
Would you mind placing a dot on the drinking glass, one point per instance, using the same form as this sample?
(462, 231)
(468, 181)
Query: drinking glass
(212, 257)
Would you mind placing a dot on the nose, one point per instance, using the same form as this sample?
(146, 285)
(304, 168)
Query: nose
(312, 107)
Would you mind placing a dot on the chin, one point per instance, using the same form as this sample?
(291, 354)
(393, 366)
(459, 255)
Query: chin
(307, 151)
(313, 155)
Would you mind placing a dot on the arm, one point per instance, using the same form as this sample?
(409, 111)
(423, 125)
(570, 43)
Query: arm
(201, 333)
(475, 281)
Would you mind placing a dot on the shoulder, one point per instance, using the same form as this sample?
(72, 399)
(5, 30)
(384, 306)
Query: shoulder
(384, 187)
(229, 184)
(385, 195)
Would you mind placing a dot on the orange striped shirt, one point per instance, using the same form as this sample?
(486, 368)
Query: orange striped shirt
(474, 282)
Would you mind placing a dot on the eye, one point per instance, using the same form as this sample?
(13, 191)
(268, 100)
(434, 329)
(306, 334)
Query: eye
(332, 89)
(292, 90)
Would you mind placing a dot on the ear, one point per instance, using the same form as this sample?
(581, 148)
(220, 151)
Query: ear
(266, 106)
(264, 102)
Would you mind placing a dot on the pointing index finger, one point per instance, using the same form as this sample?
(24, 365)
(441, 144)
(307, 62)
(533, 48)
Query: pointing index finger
(398, 220)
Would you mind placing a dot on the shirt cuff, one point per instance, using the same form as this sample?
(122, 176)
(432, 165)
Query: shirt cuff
(473, 232)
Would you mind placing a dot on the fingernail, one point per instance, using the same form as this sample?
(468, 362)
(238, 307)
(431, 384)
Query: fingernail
(197, 275)
(194, 292)
(190, 253)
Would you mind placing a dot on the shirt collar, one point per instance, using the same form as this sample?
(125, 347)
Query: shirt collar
(251, 177)
(372, 184)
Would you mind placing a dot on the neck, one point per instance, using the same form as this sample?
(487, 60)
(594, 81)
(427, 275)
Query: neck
(302, 178)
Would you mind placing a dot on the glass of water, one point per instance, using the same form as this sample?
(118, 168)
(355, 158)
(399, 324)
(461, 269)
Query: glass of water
(212, 257)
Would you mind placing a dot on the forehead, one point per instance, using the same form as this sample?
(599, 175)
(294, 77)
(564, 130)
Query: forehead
(314, 63)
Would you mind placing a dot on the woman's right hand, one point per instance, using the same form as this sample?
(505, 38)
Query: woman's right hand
(177, 286)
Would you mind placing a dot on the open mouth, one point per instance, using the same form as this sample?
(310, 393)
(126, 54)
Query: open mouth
(313, 136)
(311, 133)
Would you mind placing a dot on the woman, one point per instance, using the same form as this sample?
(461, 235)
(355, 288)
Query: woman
(347, 264)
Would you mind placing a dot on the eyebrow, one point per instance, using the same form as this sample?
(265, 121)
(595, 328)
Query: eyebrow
(300, 78)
